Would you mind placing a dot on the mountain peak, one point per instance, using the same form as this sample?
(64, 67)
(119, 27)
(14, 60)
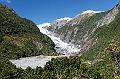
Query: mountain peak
(44, 24)
(90, 11)
(65, 18)
(118, 5)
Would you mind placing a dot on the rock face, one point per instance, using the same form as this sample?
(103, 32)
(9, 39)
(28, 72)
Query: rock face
(79, 18)
(57, 24)
(108, 18)
(79, 31)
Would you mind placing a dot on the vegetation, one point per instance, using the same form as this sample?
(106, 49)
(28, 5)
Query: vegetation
(106, 35)
(62, 68)
(84, 28)
(21, 38)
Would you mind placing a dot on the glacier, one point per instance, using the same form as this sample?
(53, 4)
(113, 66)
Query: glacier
(60, 46)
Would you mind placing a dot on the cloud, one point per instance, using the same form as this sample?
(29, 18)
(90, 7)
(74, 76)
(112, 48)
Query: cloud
(6, 1)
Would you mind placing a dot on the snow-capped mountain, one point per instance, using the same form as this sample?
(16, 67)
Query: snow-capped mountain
(59, 23)
(50, 30)
(46, 24)
(65, 18)
(74, 34)
(81, 17)
(90, 11)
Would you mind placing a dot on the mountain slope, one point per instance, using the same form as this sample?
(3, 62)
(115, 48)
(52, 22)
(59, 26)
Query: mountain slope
(107, 34)
(81, 30)
(20, 37)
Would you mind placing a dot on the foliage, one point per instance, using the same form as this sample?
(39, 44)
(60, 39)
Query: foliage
(62, 68)
(20, 37)
(105, 35)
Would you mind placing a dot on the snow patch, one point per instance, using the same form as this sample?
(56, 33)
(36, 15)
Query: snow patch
(33, 62)
(90, 11)
(65, 18)
(45, 24)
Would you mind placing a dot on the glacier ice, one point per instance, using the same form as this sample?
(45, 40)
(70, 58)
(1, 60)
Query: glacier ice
(60, 46)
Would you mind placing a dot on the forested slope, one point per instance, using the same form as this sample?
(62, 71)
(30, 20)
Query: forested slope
(20, 37)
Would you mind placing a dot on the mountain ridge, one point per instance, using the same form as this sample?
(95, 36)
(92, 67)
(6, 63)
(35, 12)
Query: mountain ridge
(69, 31)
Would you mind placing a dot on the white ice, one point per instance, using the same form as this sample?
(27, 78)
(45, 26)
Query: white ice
(33, 62)
(61, 46)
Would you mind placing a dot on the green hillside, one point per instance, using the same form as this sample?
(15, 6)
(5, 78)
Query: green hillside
(20, 37)
(106, 35)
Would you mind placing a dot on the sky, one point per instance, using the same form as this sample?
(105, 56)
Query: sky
(40, 11)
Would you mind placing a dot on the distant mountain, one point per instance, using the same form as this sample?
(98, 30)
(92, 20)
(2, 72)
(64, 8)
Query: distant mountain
(52, 29)
(90, 31)
(90, 11)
